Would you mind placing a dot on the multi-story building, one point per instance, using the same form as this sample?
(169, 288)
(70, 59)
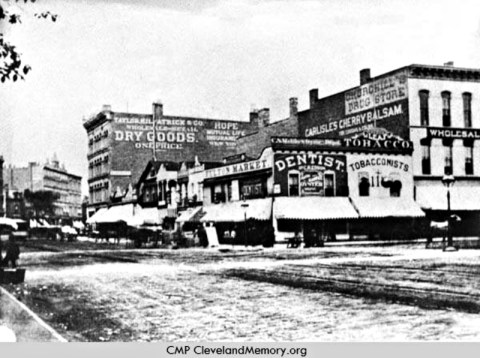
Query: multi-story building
(120, 145)
(49, 177)
(436, 107)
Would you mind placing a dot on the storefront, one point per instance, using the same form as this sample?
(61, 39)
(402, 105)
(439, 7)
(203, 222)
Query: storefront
(361, 186)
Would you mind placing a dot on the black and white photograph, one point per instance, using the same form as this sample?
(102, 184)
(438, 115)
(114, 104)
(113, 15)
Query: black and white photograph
(246, 172)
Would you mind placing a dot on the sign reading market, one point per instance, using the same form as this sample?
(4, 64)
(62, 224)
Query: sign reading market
(239, 168)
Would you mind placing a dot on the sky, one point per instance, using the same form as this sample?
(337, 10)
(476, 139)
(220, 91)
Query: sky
(211, 58)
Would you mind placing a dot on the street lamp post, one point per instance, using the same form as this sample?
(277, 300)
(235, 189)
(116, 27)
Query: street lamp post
(245, 206)
(448, 181)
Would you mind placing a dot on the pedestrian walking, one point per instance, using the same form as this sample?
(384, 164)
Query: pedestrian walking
(12, 253)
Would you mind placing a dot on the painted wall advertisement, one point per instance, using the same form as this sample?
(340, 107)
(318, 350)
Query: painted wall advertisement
(177, 139)
(380, 175)
(311, 173)
(381, 103)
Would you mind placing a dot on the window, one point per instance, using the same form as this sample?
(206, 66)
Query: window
(395, 185)
(423, 107)
(467, 109)
(329, 184)
(468, 157)
(446, 118)
(448, 168)
(425, 145)
(363, 184)
(293, 184)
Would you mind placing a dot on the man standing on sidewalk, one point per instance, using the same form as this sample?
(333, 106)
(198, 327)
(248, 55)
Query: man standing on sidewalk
(12, 253)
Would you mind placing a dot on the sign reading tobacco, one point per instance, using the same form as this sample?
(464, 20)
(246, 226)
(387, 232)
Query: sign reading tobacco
(453, 133)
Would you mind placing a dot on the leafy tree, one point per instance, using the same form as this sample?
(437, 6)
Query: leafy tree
(42, 201)
(11, 66)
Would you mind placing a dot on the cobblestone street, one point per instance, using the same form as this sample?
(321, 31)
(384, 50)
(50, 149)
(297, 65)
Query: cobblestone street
(185, 295)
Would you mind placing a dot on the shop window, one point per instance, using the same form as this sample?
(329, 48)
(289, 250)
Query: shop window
(448, 165)
(395, 186)
(446, 115)
(363, 184)
(469, 158)
(293, 184)
(329, 184)
(424, 120)
(467, 109)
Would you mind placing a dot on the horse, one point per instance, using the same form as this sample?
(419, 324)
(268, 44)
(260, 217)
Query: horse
(440, 228)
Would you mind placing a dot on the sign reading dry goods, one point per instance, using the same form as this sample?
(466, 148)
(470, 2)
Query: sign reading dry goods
(176, 133)
(376, 93)
(453, 133)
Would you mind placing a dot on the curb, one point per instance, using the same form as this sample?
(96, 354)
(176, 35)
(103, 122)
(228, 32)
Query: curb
(33, 315)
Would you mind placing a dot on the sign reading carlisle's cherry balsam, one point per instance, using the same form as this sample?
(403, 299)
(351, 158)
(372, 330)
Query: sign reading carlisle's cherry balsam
(382, 103)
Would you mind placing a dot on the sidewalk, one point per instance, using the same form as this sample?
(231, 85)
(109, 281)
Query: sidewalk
(26, 325)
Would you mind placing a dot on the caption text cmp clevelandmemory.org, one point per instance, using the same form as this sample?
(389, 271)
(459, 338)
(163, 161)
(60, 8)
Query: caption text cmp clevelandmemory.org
(185, 350)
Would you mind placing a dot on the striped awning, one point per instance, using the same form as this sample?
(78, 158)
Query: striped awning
(387, 207)
(314, 208)
(191, 214)
(237, 211)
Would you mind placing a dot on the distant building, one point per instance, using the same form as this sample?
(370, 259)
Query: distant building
(50, 176)
(121, 144)
(2, 189)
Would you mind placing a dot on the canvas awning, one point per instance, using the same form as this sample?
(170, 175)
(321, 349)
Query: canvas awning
(147, 216)
(191, 214)
(118, 213)
(97, 216)
(314, 208)
(258, 209)
(387, 207)
(9, 222)
(461, 197)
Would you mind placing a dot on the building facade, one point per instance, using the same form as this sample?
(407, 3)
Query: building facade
(120, 144)
(48, 177)
(436, 107)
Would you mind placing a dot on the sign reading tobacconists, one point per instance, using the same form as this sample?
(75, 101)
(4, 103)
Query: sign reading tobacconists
(460, 133)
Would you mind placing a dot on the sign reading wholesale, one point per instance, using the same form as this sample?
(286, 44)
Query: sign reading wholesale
(460, 133)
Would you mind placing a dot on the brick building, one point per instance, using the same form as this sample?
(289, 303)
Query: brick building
(120, 145)
(436, 107)
(2, 190)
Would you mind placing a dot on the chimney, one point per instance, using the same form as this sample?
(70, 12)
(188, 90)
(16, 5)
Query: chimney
(364, 76)
(293, 107)
(106, 108)
(254, 117)
(157, 108)
(264, 117)
(448, 64)
(313, 97)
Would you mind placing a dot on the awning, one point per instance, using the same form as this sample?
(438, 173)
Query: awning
(388, 207)
(147, 216)
(314, 208)
(118, 213)
(258, 209)
(97, 216)
(461, 197)
(9, 222)
(191, 214)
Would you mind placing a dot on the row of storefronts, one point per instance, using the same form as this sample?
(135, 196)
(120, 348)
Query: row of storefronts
(318, 188)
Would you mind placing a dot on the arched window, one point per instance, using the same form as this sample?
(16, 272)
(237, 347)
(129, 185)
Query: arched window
(446, 116)
(363, 184)
(424, 119)
(293, 183)
(467, 109)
